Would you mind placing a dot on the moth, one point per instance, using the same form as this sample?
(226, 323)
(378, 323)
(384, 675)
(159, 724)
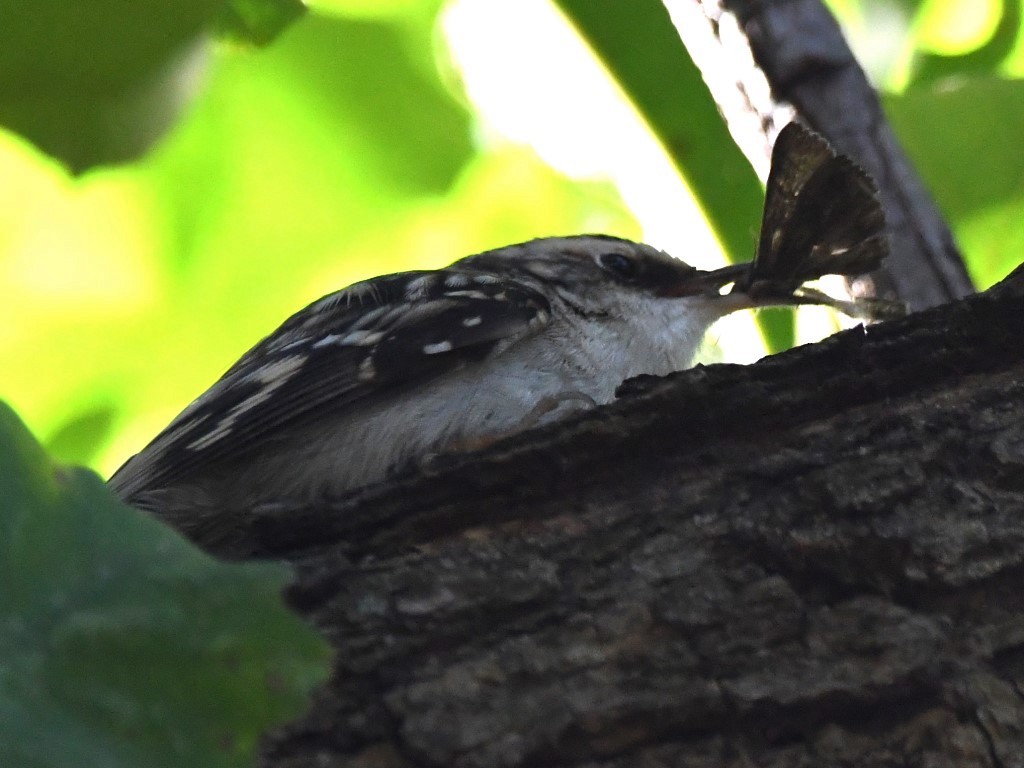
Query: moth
(822, 216)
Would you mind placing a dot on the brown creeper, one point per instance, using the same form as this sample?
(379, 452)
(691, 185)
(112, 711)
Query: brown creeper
(377, 376)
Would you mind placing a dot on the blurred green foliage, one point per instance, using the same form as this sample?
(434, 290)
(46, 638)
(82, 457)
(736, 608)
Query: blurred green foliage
(346, 147)
(121, 644)
(953, 91)
(93, 81)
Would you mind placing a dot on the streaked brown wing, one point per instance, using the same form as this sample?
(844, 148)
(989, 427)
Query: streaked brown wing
(342, 351)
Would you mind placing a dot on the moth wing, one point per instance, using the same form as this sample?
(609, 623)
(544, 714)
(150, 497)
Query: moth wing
(822, 213)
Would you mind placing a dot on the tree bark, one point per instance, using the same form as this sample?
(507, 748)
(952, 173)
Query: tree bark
(814, 560)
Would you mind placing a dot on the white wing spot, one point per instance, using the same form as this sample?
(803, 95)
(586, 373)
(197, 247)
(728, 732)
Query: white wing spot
(357, 338)
(417, 288)
(456, 280)
(225, 425)
(361, 338)
(372, 317)
(326, 340)
(438, 348)
(272, 376)
(277, 373)
(179, 429)
(469, 294)
(470, 322)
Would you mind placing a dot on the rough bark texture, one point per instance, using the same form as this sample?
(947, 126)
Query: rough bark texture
(815, 560)
(800, 48)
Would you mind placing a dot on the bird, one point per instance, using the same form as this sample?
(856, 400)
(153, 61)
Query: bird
(372, 380)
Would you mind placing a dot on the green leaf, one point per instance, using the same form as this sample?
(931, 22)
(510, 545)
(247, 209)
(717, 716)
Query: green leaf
(257, 21)
(964, 137)
(98, 81)
(368, 77)
(642, 50)
(123, 645)
(80, 436)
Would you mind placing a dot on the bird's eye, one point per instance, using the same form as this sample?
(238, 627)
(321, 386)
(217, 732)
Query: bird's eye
(618, 264)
